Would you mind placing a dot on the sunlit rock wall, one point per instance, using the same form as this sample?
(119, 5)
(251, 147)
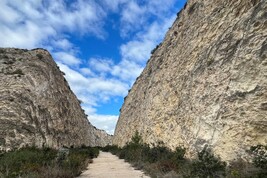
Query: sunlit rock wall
(37, 106)
(206, 83)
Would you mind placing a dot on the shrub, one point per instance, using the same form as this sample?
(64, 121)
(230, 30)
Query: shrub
(154, 50)
(259, 153)
(34, 162)
(208, 165)
(25, 160)
(159, 153)
(179, 154)
(114, 149)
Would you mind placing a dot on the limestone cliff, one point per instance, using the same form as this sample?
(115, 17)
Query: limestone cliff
(206, 83)
(37, 106)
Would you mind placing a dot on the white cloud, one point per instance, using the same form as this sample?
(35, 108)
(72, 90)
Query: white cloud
(101, 88)
(114, 4)
(87, 72)
(62, 44)
(33, 23)
(101, 65)
(132, 13)
(127, 71)
(105, 122)
(137, 50)
(7, 14)
(160, 7)
(67, 58)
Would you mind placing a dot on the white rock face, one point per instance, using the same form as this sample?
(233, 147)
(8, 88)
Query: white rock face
(206, 83)
(37, 106)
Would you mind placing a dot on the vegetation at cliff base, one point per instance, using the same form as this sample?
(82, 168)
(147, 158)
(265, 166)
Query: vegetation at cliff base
(160, 161)
(46, 162)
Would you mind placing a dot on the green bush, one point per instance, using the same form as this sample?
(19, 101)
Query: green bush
(35, 162)
(114, 149)
(159, 153)
(179, 154)
(259, 156)
(25, 160)
(208, 165)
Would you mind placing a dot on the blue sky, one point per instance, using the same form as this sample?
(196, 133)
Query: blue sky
(101, 45)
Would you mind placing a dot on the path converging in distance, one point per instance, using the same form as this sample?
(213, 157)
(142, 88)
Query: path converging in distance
(107, 165)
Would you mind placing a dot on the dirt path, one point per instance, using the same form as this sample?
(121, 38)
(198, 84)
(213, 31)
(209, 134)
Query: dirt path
(107, 165)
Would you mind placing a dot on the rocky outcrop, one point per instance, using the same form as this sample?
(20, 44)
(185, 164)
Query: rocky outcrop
(37, 106)
(206, 84)
(100, 137)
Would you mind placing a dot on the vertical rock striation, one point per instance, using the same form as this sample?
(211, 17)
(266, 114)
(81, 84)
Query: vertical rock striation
(37, 106)
(206, 83)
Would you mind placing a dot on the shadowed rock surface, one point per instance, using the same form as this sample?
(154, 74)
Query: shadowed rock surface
(37, 106)
(206, 83)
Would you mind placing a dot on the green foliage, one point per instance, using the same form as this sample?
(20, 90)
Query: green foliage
(114, 149)
(25, 160)
(208, 165)
(132, 151)
(34, 162)
(179, 154)
(159, 153)
(136, 139)
(259, 156)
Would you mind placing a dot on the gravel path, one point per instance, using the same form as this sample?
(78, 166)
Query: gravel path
(107, 165)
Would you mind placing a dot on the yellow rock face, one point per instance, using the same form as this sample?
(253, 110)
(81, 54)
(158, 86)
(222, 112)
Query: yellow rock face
(206, 83)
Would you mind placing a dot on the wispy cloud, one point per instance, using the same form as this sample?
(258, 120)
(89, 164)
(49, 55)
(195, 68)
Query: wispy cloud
(29, 24)
(67, 58)
(107, 122)
(101, 65)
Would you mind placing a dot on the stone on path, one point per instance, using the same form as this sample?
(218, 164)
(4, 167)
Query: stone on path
(107, 165)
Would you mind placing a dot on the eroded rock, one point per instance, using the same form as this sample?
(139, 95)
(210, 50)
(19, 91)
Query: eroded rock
(37, 106)
(206, 83)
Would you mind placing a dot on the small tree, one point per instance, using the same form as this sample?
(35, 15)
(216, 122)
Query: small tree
(208, 165)
(259, 153)
(137, 139)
